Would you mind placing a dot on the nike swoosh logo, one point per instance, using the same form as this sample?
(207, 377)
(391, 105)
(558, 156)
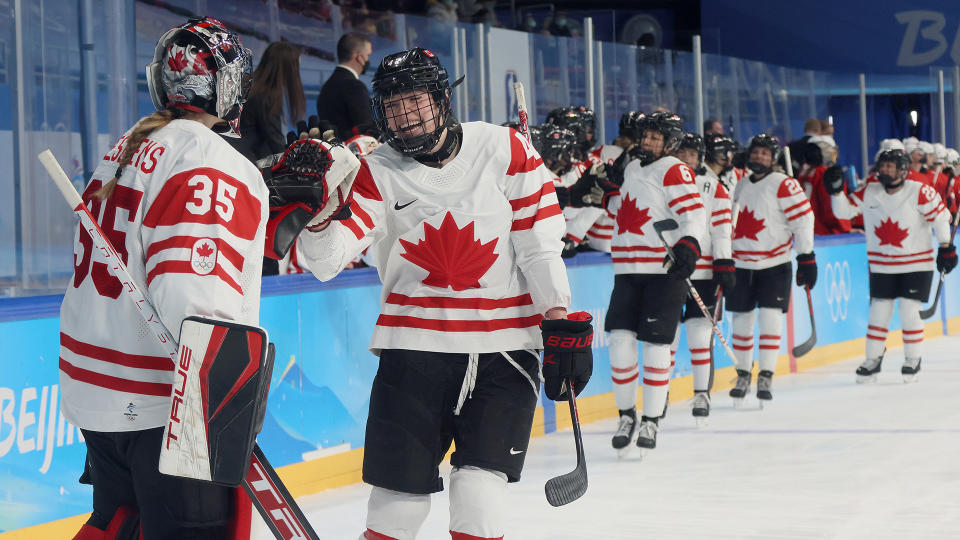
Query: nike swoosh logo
(515, 452)
(911, 291)
(651, 319)
(398, 206)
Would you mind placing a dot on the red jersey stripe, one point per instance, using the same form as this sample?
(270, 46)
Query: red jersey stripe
(440, 325)
(801, 214)
(161, 363)
(917, 254)
(654, 249)
(689, 208)
(223, 248)
(682, 198)
(638, 259)
(897, 263)
(533, 198)
(796, 206)
(184, 267)
(445, 302)
(542, 213)
(354, 228)
(771, 252)
(362, 214)
(114, 383)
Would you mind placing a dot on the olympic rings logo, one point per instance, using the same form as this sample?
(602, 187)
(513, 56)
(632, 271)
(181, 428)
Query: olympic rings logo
(838, 290)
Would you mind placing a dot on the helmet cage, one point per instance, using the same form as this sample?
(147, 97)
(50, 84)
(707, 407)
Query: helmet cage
(898, 157)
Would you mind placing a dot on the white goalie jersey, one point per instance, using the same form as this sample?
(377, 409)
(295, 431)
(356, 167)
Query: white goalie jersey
(188, 216)
(469, 254)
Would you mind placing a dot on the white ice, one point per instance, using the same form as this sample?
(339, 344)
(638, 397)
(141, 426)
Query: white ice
(826, 459)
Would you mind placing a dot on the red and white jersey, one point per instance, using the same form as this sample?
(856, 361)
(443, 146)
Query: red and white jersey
(773, 214)
(469, 254)
(571, 175)
(606, 154)
(716, 201)
(188, 216)
(897, 225)
(600, 231)
(664, 189)
(600, 235)
(731, 177)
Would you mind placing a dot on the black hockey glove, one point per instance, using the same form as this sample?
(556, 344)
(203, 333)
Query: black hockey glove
(806, 270)
(685, 254)
(740, 160)
(724, 274)
(567, 354)
(563, 196)
(833, 180)
(946, 258)
(615, 170)
(569, 247)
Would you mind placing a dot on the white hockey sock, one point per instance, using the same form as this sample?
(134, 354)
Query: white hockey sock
(477, 498)
(393, 515)
(742, 322)
(912, 326)
(623, 367)
(656, 378)
(881, 309)
(698, 340)
(771, 324)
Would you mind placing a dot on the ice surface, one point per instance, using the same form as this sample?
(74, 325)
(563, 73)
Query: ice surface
(827, 458)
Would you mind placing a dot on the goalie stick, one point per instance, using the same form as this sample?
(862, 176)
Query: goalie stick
(278, 509)
(927, 313)
(670, 225)
(522, 110)
(569, 487)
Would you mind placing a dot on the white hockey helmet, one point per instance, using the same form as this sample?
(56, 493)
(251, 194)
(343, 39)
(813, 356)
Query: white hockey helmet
(890, 144)
(910, 144)
(925, 147)
(953, 158)
(939, 152)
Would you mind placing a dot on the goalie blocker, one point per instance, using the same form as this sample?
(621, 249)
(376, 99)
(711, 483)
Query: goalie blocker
(218, 402)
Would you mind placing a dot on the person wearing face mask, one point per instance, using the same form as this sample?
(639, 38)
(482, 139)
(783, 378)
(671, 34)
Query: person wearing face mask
(898, 214)
(773, 215)
(344, 100)
(820, 155)
(718, 157)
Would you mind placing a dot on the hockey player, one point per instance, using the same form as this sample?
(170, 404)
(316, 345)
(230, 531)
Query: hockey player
(897, 214)
(820, 156)
(648, 294)
(718, 157)
(188, 214)
(466, 231)
(715, 269)
(773, 215)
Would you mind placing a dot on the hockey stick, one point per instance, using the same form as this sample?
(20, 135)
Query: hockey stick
(670, 225)
(522, 110)
(927, 313)
(717, 310)
(566, 488)
(263, 486)
(811, 342)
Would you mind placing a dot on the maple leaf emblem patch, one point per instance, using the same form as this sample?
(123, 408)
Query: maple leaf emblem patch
(452, 256)
(748, 226)
(630, 218)
(890, 233)
(203, 256)
(177, 61)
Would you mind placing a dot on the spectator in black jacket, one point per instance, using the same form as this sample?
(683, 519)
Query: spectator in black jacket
(344, 100)
(277, 78)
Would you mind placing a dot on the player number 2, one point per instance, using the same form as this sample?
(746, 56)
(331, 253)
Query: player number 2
(203, 199)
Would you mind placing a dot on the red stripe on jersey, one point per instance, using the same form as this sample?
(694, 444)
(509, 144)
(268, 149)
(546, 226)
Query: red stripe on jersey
(771, 252)
(655, 249)
(721, 212)
(364, 185)
(223, 248)
(574, 238)
(542, 213)
(801, 214)
(794, 207)
(721, 222)
(686, 197)
(602, 227)
(115, 383)
(446, 302)
(637, 259)
(523, 158)
(207, 196)
(533, 198)
(161, 363)
(358, 211)
(679, 175)
(351, 224)
(374, 535)
(689, 208)
(184, 267)
(440, 325)
(897, 263)
(917, 254)
(592, 234)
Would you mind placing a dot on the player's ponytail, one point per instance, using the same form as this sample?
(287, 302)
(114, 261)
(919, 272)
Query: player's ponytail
(140, 132)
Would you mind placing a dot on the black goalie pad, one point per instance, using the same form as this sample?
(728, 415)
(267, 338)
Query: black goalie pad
(219, 399)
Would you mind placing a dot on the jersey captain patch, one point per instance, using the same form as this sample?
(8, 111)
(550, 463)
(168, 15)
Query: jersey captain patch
(203, 256)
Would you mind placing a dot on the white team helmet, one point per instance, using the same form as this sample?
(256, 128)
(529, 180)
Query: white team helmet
(953, 158)
(925, 147)
(890, 144)
(910, 144)
(939, 152)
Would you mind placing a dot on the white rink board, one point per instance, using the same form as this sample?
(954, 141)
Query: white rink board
(826, 459)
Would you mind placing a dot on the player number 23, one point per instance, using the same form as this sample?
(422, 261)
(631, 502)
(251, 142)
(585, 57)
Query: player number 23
(204, 199)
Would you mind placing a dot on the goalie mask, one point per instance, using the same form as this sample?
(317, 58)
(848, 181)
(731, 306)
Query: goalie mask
(411, 101)
(201, 66)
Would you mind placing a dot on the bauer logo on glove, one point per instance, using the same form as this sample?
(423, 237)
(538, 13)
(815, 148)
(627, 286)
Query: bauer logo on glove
(567, 355)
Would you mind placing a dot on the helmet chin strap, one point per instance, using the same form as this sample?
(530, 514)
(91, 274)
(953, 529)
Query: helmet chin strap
(451, 142)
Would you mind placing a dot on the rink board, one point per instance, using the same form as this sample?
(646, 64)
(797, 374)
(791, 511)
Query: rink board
(316, 414)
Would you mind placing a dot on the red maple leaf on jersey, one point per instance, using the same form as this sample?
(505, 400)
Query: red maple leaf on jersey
(890, 233)
(177, 62)
(204, 250)
(630, 218)
(452, 256)
(748, 226)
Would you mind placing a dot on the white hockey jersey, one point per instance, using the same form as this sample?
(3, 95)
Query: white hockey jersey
(897, 225)
(188, 216)
(663, 189)
(592, 224)
(716, 201)
(469, 254)
(773, 215)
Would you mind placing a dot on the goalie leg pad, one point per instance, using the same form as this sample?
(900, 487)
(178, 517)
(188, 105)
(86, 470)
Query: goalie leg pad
(218, 402)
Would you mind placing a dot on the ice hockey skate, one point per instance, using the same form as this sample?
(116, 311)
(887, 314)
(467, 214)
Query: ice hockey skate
(647, 436)
(625, 431)
(910, 370)
(867, 371)
(740, 388)
(701, 407)
(764, 381)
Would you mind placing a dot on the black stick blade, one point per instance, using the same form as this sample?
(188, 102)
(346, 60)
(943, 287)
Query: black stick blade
(811, 342)
(927, 313)
(567, 488)
(666, 225)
